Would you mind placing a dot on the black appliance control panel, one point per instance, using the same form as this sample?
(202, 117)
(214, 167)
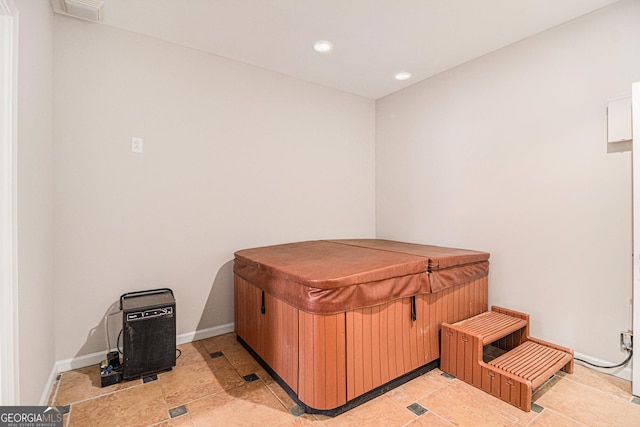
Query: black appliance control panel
(152, 312)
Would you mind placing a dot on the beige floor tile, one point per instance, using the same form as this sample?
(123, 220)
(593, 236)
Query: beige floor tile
(430, 420)
(465, 405)
(550, 418)
(306, 420)
(84, 383)
(418, 388)
(589, 405)
(181, 421)
(249, 405)
(241, 360)
(545, 387)
(276, 389)
(321, 418)
(136, 406)
(221, 343)
(198, 379)
(192, 352)
(603, 382)
(381, 411)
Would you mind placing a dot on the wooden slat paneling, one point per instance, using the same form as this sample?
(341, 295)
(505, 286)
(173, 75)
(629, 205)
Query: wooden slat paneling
(376, 346)
(406, 330)
(391, 340)
(272, 335)
(384, 342)
(319, 362)
(249, 320)
(385, 375)
(289, 359)
(306, 352)
(328, 360)
(331, 366)
(367, 349)
(434, 301)
(323, 359)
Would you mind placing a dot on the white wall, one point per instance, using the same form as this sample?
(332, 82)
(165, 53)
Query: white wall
(35, 199)
(508, 154)
(234, 157)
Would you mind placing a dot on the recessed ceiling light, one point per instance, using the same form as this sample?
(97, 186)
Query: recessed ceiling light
(323, 46)
(403, 75)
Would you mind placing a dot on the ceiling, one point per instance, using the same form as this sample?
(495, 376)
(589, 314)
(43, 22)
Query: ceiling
(373, 39)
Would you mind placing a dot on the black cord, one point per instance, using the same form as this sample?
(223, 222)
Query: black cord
(118, 342)
(608, 367)
(179, 353)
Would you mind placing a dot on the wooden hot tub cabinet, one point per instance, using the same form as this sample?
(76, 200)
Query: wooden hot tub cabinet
(339, 322)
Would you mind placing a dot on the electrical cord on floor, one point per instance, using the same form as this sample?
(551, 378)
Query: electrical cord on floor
(608, 367)
(179, 353)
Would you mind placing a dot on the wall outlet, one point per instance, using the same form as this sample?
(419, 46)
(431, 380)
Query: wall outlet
(136, 145)
(626, 341)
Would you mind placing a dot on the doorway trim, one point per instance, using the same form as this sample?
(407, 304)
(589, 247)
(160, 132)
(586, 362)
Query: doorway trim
(635, 102)
(9, 383)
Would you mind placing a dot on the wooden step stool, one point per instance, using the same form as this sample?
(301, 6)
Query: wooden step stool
(526, 364)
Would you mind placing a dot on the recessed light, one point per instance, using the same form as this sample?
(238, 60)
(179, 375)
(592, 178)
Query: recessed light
(403, 75)
(323, 46)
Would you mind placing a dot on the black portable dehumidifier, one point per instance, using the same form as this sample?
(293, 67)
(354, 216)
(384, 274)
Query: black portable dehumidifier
(148, 332)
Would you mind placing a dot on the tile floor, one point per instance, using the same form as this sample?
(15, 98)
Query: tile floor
(211, 391)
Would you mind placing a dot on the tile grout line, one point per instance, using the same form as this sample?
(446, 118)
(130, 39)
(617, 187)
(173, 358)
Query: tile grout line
(453, 380)
(55, 393)
(105, 394)
(277, 398)
(533, 420)
(559, 414)
(164, 399)
(599, 391)
(435, 413)
(541, 386)
(69, 415)
(262, 380)
(441, 417)
(318, 419)
(208, 395)
(70, 404)
(421, 396)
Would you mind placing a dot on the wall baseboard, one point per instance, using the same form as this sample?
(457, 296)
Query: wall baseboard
(205, 333)
(95, 358)
(622, 372)
(44, 399)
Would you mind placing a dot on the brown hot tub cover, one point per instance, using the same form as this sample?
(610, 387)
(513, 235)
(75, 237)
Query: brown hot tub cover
(330, 276)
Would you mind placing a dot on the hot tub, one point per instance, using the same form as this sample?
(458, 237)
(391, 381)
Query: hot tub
(337, 322)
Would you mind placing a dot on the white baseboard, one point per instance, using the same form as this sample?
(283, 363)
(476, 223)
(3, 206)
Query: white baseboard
(48, 386)
(95, 358)
(205, 333)
(622, 372)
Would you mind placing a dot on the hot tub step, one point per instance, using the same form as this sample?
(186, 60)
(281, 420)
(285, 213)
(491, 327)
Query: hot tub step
(532, 362)
(512, 377)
